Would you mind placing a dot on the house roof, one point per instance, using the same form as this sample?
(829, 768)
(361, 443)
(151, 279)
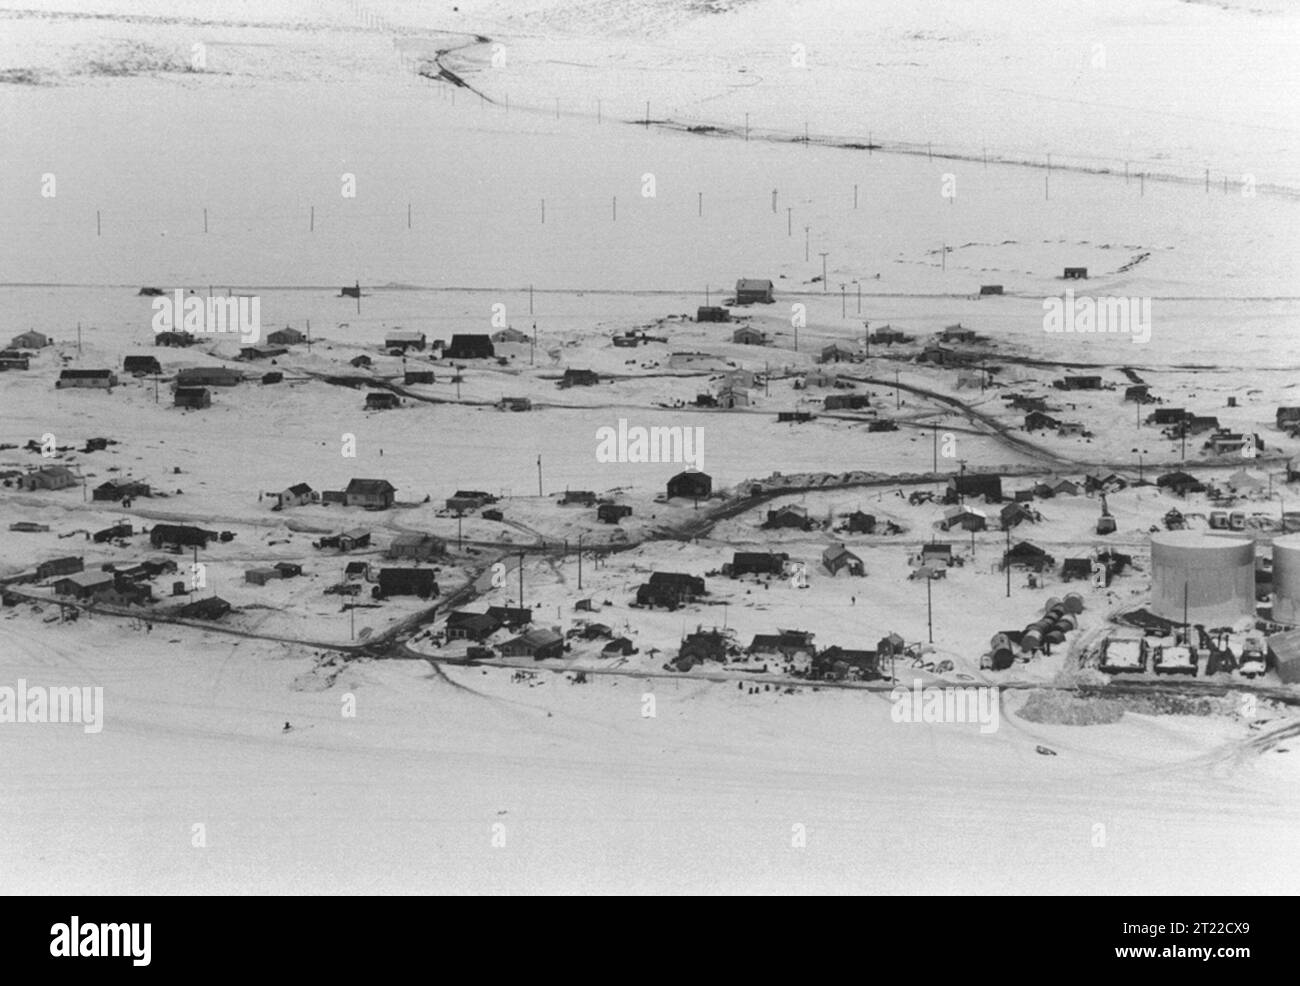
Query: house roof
(355, 533)
(88, 580)
(301, 489)
(536, 638)
(936, 549)
(753, 284)
(364, 486)
(404, 335)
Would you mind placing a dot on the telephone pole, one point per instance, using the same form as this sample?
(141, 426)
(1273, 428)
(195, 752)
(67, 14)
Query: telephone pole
(823, 256)
(539, 476)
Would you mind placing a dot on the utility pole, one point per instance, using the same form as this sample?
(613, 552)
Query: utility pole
(843, 303)
(929, 612)
(935, 427)
(805, 243)
(1006, 562)
(897, 397)
(521, 580)
(539, 475)
(579, 562)
(823, 256)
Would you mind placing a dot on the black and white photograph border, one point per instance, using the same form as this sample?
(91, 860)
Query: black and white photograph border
(758, 447)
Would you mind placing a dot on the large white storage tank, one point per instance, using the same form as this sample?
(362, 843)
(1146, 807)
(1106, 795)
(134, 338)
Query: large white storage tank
(1286, 578)
(1217, 574)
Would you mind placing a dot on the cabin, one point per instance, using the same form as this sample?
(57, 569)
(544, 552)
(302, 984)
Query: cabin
(819, 378)
(85, 585)
(1014, 514)
(837, 353)
(957, 333)
(286, 337)
(1168, 416)
(120, 489)
(1288, 417)
(860, 522)
(972, 485)
(837, 558)
(211, 608)
(986, 289)
(361, 362)
(192, 397)
(578, 498)
(418, 376)
(750, 291)
(261, 352)
(1199, 423)
(747, 335)
(1180, 483)
(141, 365)
(731, 397)
(756, 563)
(469, 346)
(510, 335)
(612, 513)
(1038, 421)
(625, 341)
(9, 360)
(579, 378)
(785, 643)
(1076, 568)
(703, 645)
(887, 335)
(30, 339)
(357, 571)
(794, 417)
(847, 402)
(463, 625)
(936, 555)
(1065, 487)
(112, 533)
(208, 376)
(180, 535)
(174, 340)
(540, 644)
(377, 493)
(417, 546)
(400, 340)
(406, 582)
(382, 400)
(965, 518)
(691, 484)
(1226, 442)
(298, 495)
(1139, 393)
(260, 576)
(288, 569)
(1075, 274)
(938, 355)
(463, 501)
(511, 617)
(351, 540)
(1078, 382)
(59, 566)
(790, 517)
(837, 663)
(670, 590)
(274, 376)
(99, 379)
(712, 313)
(1069, 429)
(1028, 556)
(515, 404)
(48, 478)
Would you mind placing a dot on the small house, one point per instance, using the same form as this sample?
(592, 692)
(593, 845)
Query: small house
(540, 644)
(180, 535)
(141, 365)
(1168, 416)
(286, 337)
(351, 540)
(1014, 514)
(887, 335)
(463, 625)
(791, 517)
(174, 340)
(750, 291)
(965, 518)
(208, 376)
(515, 404)
(1139, 393)
(837, 663)
(464, 501)
(579, 378)
(785, 643)
(578, 498)
(837, 558)
(510, 335)
(1075, 274)
(211, 608)
(670, 590)
(30, 339)
(703, 645)
(417, 546)
(731, 397)
(859, 522)
(59, 566)
(819, 378)
(1180, 483)
(986, 289)
(712, 313)
(120, 489)
(192, 397)
(274, 376)
(418, 376)
(469, 346)
(1068, 429)
(85, 585)
(261, 352)
(361, 362)
(511, 617)
(612, 513)
(377, 493)
(691, 484)
(1078, 382)
(298, 495)
(847, 402)
(101, 379)
(973, 485)
(400, 340)
(1026, 555)
(48, 478)
(260, 576)
(382, 400)
(837, 352)
(936, 555)
(756, 563)
(406, 582)
(957, 333)
(1039, 421)
(288, 569)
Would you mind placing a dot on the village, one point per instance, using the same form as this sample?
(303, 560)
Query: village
(809, 576)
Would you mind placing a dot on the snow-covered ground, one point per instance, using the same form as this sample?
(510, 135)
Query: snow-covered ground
(532, 199)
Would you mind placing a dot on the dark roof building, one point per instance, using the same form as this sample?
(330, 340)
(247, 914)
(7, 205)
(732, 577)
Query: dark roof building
(691, 484)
